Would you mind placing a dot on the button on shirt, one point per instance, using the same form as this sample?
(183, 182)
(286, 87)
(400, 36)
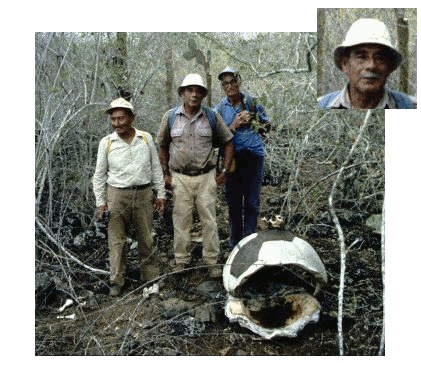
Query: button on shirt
(125, 165)
(245, 137)
(343, 100)
(190, 140)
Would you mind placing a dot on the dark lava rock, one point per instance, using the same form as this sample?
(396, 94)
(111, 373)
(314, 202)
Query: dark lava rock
(173, 307)
(44, 290)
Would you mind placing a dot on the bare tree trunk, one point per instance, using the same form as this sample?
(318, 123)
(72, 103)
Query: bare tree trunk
(403, 38)
(208, 79)
(170, 73)
(321, 22)
(121, 72)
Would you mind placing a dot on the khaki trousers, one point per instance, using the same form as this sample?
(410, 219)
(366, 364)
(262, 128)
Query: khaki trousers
(189, 191)
(130, 206)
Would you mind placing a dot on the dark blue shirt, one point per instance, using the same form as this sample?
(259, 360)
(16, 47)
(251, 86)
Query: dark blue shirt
(245, 137)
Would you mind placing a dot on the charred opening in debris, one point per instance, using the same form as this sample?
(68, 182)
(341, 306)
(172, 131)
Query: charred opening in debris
(270, 313)
(274, 295)
(274, 280)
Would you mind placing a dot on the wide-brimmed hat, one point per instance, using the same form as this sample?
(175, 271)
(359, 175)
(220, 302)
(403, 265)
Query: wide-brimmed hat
(228, 69)
(120, 103)
(192, 79)
(368, 31)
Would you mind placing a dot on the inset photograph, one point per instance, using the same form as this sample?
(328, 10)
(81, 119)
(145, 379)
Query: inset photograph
(367, 58)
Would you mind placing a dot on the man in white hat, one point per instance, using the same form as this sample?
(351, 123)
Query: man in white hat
(127, 170)
(187, 140)
(367, 57)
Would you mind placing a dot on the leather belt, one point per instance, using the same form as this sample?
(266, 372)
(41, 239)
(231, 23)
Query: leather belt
(139, 187)
(193, 173)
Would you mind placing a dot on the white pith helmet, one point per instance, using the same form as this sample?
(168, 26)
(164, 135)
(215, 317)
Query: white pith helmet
(120, 103)
(192, 79)
(368, 31)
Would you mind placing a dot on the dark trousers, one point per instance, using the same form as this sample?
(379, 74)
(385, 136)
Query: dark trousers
(242, 194)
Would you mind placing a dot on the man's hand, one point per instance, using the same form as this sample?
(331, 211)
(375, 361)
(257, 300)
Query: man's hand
(168, 182)
(161, 204)
(99, 212)
(221, 179)
(241, 119)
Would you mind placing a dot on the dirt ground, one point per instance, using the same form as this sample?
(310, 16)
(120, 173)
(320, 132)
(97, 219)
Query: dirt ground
(136, 325)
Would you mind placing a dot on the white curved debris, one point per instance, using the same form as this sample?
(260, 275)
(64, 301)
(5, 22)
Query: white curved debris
(271, 278)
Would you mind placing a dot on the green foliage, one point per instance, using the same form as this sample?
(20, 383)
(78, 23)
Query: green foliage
(189, 55)
(192, 44)
(200, 58)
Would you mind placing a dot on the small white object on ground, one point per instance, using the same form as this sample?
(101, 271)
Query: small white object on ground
(68, 303)
(151, 290)
(70, 317)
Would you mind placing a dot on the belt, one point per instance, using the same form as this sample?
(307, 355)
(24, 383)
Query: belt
(193, 173)
(139, 187)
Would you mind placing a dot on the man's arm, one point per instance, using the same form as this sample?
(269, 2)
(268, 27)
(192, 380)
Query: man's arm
(164, 158)
(99, 180)
(221, 179)
(157, 178)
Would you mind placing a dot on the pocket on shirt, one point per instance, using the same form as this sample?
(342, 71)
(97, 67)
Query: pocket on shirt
(176, 132)
(205, 131)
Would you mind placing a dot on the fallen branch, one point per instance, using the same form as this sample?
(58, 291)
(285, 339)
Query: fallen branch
(341, 236)
(50, 236)
(381, 350)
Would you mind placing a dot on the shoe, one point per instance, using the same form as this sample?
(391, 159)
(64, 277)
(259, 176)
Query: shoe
(215, 272)
(115, 290)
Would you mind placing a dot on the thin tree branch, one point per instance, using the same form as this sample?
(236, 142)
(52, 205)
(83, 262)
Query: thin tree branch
(341, 236)
(50, 236)
(382, 341)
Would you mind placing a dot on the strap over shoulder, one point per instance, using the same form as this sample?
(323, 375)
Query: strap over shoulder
(326, 100)
(402, 101)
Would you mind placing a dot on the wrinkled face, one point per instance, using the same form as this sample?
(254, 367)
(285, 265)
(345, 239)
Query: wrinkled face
(230, 85)
(367, 68)
(192, 96)
(121, 121)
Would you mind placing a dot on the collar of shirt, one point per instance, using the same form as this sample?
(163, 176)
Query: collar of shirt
(343, 100)
(182, 111)
(114, 136)
(239, 107)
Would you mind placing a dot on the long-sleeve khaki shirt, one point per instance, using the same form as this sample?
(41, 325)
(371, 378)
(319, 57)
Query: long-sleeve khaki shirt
(122, 165)
(190, 140)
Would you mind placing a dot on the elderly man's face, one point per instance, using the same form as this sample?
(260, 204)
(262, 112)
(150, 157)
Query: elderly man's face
(192, 96)
(121, 121)
(230, 84)
(367, 67)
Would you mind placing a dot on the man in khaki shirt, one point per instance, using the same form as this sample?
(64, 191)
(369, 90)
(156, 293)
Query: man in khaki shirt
(188, 159)
(127, 167)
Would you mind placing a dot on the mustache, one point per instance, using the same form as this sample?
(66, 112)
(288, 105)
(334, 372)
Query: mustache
(370, 75)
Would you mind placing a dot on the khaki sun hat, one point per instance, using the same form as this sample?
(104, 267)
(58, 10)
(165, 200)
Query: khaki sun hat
(192, 79)
(368, 31)
(120, 103)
